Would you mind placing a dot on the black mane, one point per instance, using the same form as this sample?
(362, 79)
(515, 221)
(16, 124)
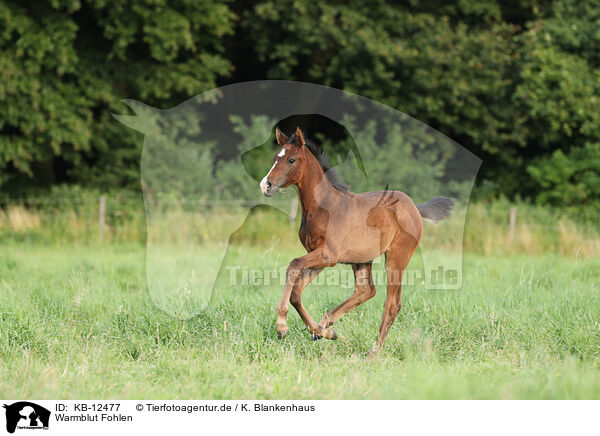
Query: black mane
(330, 172)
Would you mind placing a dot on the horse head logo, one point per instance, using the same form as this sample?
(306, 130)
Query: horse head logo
(26, 414)
(206, 158)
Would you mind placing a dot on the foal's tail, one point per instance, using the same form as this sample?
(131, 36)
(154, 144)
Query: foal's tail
(437, 209)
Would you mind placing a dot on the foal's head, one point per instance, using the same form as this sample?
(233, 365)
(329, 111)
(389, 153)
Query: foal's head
(288, 163)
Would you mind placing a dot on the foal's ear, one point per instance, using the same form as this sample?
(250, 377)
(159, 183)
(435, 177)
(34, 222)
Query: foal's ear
(281, 138)
(299, 137)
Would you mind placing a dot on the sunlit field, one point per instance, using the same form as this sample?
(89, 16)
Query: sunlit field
(77, 321)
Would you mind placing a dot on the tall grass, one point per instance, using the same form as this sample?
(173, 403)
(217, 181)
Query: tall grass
(78, 318)
(79, 323)
(538, 230)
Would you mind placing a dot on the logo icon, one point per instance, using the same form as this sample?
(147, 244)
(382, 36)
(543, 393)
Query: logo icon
(26, 415)
(206, 158)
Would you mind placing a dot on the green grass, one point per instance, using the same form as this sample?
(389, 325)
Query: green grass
(77, 322)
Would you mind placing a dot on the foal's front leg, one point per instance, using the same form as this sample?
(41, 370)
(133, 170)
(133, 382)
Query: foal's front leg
(315, 261)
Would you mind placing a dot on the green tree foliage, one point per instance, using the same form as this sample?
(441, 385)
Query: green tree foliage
(398, 159)
(254, 154)
(515, 82)
(64, 66)
(569, 179)
(559, 96)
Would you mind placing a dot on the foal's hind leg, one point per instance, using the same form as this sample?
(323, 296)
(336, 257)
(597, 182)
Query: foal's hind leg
(396, 260)
(364, 290)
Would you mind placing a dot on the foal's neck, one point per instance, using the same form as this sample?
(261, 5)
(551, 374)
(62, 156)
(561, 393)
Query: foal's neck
(314, 186)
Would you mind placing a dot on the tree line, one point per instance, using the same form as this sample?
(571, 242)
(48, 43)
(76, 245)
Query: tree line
(515, 82)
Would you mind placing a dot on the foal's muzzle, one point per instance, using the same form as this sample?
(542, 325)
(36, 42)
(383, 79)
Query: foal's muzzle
(267, 188)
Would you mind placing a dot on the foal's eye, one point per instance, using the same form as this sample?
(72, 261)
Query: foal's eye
(292, 160)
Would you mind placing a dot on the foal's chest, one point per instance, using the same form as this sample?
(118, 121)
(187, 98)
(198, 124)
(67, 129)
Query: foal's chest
(313, 229)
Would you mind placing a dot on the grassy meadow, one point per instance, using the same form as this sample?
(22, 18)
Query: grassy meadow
(76, 321)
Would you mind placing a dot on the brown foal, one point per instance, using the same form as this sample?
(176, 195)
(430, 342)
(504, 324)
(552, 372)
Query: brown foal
(339, 226)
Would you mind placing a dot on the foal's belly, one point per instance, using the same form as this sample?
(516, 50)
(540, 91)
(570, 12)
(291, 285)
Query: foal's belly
(363, 246)
(351, 232)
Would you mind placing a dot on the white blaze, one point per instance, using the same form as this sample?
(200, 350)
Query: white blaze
(263, 182)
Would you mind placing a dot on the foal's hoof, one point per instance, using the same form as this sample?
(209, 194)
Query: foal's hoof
(329, 334)
(282, 334)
